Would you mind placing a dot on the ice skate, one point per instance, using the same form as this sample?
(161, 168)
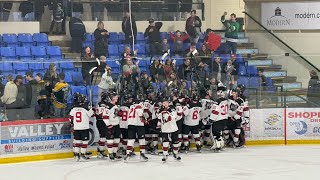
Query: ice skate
(101, 154)
(176, 157)
(198, 148)
(164, 159)
(128, 156)
(116, 156)
(143, 157)
(111, 157)
(83, 157)
(77, 157)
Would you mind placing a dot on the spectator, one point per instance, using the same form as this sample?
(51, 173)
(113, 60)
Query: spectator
(231, 33)
(184, 90)
(262, 80)
(10, 91)
(185, 70)
(202, 75)
(213, 87)
(172, 83)
(212, 40)
(89, 63)
(101, 44)
(178, 42)
(126, 28)
(60, 96)
(106, 82)
(144, 83)
(157, 71)
(97, 74)
(217, 69)
(165, 47)
(205, 56)
(14, 95)
(229, 69)
(58, 16)
(31, 90)
(193, 27)
(153, 33)
(130, 75)
(77, 33)
(169, 68)
(313, 89)
(192, 51)
(52, 75)
(40, 84)
(42, 109)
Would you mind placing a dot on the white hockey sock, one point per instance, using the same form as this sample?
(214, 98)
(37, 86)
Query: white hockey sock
(110, 145)
(165, 147)
(102, 144)
(142, 144)
(197, 138)
(77, 145)
(84, 147)
(155, 140)
(116, 144)
(130, 146)
(176, 148)
(186, 140)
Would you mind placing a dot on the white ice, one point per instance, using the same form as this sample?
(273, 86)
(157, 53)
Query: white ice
(251, 163)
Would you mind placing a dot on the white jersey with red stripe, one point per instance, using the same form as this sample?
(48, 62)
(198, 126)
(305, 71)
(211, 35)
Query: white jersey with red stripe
(179, 109)
(114, 114)
(135, 116)
(155, 107)
(246, 112)
(206, 108)
(147, 109)
(192, 113)
(235, 108)
(124, 116)
(219, 110)
(167, 120)
(80, 118)
(103, 113)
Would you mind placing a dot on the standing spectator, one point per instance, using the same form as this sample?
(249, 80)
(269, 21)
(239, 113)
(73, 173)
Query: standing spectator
(106, 82)
(31, 90)
(60, 96)
(313, 94)
(130, 75)
(77, 32)
(14, 95)
(165, 47)
(172, 83)
(178, 41)
(101, 44)
(185, 70)
(231, 33)
(157, 71)
(89, 63)
(153, 33)
(217, 69)
(202, 75)
(212, 40)
(169, 68)
(229, 69)
(262, 80)
(192, 53)
(51, 75)
(126, 28)
(10, 92)
(58, 16)
(144, 83)
(205, 56)
(193, 26)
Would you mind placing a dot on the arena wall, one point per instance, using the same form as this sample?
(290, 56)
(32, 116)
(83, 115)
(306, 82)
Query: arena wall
(35, 140)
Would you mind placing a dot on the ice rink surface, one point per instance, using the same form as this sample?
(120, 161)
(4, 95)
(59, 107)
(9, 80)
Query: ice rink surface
(251, 163)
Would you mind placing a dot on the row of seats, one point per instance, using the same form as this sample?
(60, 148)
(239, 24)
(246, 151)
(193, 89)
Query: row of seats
(253, 82)
(29, 53)
(24, 39)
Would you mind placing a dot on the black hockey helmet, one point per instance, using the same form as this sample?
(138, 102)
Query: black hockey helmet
(104, 97)
(195, 97)
(241, 88)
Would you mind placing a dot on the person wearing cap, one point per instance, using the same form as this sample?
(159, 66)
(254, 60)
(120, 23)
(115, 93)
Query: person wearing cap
(153, 33)
(30, 89)
(58, 16)
(60, 96)
(106, 82)
(314, 89)
(193, 26)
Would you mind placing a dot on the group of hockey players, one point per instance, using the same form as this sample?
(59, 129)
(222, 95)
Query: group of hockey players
(170, 121)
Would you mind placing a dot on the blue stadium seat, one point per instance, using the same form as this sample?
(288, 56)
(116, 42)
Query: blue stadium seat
(252, 70)
(147, 48)
(121, 37)
(68, 77)
(10, 40)
(164, 35)
(243, 80)
(95, 90)
(242, 71)
(66, 65)
(36, 66)
(141, 49)
(113, 50)
(8, 53)
(25, 39)
(269, 82)
(79, 89)
(254, 82)
(121, 47)
(20, 68)
(239, 58)
(39, 52)
(113, 38)
(140, 37)
(41, 39)
(54, 52)
(6, 67)
(23, 53)
(225, 57)
(1, 41)
(186, 46)
(198, 46)
(77, 78)
(201, 37)
(88, 37)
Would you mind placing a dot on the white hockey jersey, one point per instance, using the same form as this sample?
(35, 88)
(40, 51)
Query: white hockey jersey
(147, 109)
(219, 110)
(179, 110)
(124, 116)
(80, 118)
(135, 116)
(206, 108)
(192, 114)
(235, 108)
(167, 120)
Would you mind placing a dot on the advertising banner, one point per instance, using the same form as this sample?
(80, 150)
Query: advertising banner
(303, 123)
(267, 124)
(34, 136)
(290, 15)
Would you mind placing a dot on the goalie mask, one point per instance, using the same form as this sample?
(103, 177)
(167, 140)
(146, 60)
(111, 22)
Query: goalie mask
(221, 91)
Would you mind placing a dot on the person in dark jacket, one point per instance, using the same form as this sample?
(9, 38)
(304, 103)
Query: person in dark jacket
(262, 80)
(126, 28)
(193, 26)
(185, 70)
(101, 44)
(153, 33)
(77, 32)
(313, 94)
(202, 75)
(157, 71)
(31, 98)
(58, 17)
(217, 70)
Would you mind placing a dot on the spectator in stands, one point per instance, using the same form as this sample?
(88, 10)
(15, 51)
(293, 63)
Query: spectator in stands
(184, 90)
(157, 71)
(165, 47)
(185, 70)
(202, 75)
(193, 26)
(10, 91)
(58, 16)
(172, 83)
(101, 44)
(144, 82)
(89, 63)
(313, 93)
(60, 96)
(212, 40)
(52, 75)
(232, 30)
(169, 68)
(6, 8)
(77, 32)
(229, 69)
(106, 82)
(153, 33)
(14, 93)
(130, 75)
(40, 82)
(205, 56)
(192, 51)
(217, 69)
(42, 109)
(262, 80)
(126, 28)
(178, 40)
(31, 90)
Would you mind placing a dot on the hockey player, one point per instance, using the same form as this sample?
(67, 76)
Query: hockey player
(218, 117)
(177, 103)
(124, 112)
(136, 122)
(191, 122)
(80, 120)
(148, 111)
(206, 102)
(169, 129)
